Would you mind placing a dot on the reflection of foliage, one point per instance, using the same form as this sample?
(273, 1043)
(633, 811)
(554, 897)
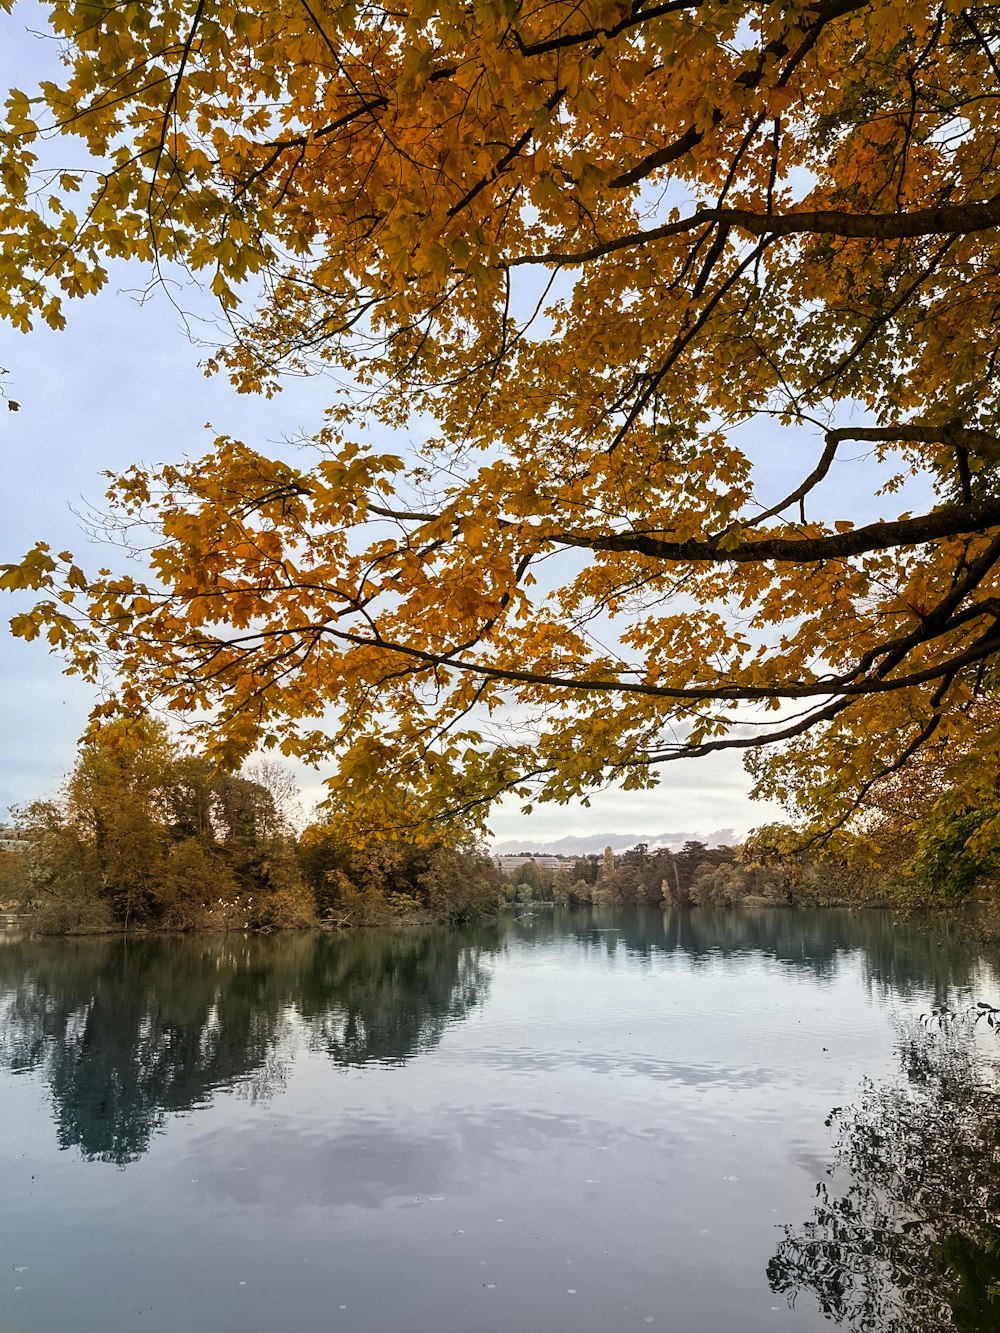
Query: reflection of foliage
(125, 1034)
(912, 1241)
(896, 956)
(393, 994)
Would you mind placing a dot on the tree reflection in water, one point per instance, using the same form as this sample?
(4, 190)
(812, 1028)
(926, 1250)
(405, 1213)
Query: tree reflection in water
(897, 958)
(127, 1033)
(911, 1240)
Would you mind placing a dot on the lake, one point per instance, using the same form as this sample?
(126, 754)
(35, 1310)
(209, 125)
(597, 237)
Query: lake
(569, 1120)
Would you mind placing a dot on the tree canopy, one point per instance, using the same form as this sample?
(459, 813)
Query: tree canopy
(611, 266)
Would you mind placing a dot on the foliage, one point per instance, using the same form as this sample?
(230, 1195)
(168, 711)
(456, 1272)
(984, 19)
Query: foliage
(145, 836)
(932, 843)
(13, 876)
(773, 869)
(374, 883)
(947, 859)
(609, 262)
(719, 886)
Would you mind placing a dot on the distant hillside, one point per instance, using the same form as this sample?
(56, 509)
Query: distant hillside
(584, 844)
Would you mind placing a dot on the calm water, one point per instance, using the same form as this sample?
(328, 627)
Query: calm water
(574, 1121)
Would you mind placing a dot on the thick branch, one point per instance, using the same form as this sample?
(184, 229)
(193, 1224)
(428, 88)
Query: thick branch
(412, 515)
(844, 687)
(952, 433)
(691, 138)
(956, 520)
(946, 220)
(636, 17)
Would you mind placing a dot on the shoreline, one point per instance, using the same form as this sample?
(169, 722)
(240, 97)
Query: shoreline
(18, 926)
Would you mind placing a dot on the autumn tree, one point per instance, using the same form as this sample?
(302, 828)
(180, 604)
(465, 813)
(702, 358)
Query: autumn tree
(143, 835)
(617, 267)
(941, 841)
(98, 851)
(383, 880)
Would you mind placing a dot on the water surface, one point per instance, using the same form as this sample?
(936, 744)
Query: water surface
(566, 1121)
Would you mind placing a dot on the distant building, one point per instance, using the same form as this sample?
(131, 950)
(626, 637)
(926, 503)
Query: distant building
(13, 839)
(511, 861)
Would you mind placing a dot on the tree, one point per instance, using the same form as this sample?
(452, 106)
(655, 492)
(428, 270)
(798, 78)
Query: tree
(99, 853)
(953, 857)
(143, 835)
(624, 257)
(928, 840)
(584, 870)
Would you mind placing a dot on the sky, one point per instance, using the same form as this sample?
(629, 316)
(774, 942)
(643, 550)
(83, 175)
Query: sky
(122, 384)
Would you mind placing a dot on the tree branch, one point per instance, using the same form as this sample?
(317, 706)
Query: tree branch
(946, 220)
(953, 521)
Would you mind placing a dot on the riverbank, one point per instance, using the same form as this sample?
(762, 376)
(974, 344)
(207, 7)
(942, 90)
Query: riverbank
(978, 922)
(16, 925)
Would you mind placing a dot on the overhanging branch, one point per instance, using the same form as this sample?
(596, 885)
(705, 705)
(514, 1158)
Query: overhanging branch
(953, 521)
(947, 220)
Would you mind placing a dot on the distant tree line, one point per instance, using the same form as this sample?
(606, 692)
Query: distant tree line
(145, 836)
(635, 876)
(918, 864)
